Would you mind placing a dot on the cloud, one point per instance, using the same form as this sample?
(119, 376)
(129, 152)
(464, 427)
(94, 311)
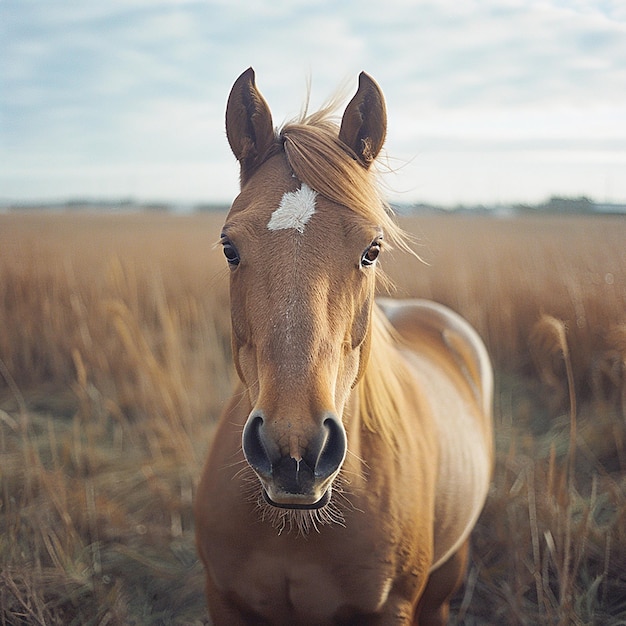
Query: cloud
(132, 87)
(506, 55)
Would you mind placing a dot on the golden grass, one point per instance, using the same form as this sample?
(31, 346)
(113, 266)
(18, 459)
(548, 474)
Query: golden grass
(503, 273)
(115, 362)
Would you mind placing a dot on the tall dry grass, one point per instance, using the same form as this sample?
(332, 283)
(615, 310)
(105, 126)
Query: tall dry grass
(504, 273)
(114, 364)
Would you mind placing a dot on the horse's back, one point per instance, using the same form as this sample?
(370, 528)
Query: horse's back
(451, 364)
(415, 319)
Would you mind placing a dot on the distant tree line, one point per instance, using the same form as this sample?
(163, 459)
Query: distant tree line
(558, 204)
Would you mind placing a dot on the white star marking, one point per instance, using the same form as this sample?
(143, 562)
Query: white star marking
(295, 210)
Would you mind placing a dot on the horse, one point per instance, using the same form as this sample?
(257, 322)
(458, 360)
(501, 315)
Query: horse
(354, 456)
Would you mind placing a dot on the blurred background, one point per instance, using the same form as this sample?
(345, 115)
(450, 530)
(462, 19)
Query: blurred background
(115, 358)
(493, 102)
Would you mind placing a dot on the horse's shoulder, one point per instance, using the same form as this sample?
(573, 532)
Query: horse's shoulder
(420, 321)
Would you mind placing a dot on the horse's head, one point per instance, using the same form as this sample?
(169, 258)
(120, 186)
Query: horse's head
(301, 241)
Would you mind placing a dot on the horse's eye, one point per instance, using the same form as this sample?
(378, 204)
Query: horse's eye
(231, 254)
(371, 254)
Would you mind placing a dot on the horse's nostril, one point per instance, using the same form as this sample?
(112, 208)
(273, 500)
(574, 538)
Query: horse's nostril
(254, 448)
(333, 453)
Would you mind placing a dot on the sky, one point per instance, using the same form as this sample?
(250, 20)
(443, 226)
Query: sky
(489, 102)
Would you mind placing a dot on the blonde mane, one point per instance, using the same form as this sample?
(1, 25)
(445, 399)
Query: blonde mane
(382, 382)
(319, 159)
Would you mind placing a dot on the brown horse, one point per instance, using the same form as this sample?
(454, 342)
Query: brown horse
(354, 458)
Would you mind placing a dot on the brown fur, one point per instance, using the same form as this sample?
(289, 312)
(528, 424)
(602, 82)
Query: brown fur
(411, 391)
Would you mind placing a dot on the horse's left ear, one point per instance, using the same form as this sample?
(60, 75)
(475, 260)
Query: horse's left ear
(364, 122)
(248, 124)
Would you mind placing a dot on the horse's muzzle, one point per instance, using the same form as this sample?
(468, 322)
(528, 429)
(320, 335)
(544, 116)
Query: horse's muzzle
(298, 483)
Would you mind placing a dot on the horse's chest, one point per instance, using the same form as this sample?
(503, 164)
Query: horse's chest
(302, 590)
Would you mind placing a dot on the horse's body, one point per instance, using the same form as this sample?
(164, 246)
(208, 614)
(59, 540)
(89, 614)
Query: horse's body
(366, 450)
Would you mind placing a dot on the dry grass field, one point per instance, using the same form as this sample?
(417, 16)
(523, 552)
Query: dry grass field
(114, 363)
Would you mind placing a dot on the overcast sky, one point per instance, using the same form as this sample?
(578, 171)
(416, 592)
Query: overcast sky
(489, 102)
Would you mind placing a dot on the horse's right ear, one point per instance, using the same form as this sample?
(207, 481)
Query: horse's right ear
(248, 124)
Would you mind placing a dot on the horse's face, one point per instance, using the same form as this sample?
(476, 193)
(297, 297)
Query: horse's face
(302, 287)
(301, 297)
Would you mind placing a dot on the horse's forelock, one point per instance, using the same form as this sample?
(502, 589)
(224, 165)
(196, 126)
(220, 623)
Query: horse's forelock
(320, 160)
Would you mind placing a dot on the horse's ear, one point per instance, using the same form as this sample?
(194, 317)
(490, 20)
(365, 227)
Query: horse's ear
(248, 124)
(364, 122)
